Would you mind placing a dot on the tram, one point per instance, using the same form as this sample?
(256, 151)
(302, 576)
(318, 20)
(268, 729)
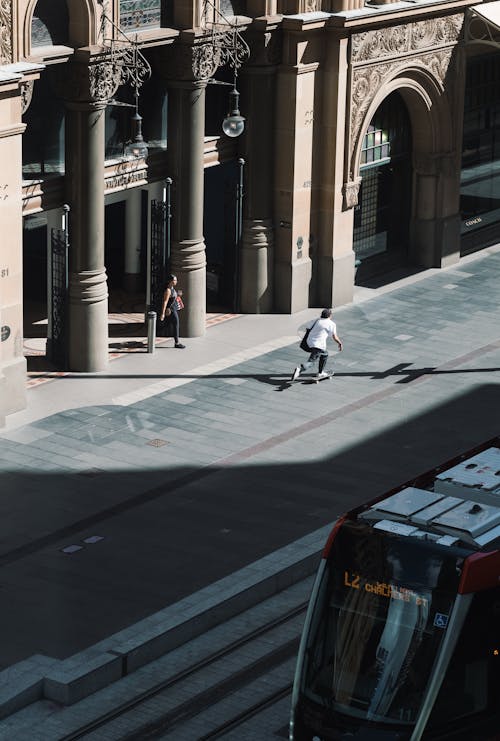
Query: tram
(401, 641)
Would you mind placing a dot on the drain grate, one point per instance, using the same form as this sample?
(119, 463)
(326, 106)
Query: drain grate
(157, 443)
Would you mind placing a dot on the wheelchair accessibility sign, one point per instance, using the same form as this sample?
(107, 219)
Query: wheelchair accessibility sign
(440, 620)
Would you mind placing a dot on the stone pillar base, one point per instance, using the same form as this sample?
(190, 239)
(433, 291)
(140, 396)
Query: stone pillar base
(435, 242)
(88, 321)
(256, 263)
(335, 280)
(12, 387)
(189, 265)
(293, 285)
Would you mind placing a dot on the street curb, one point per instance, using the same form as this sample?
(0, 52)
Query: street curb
(70, 680)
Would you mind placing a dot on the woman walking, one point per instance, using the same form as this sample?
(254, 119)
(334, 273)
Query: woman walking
(170, 309)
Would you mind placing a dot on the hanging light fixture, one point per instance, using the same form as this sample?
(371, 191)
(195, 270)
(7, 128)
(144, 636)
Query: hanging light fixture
(231, 48)
(136, 147)
(135, 69)
(233, 124)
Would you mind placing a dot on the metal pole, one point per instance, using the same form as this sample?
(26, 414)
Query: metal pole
(151, 331)
(238, 232)
(168, 206)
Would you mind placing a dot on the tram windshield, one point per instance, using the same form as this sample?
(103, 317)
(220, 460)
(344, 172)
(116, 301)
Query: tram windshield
(382, 612)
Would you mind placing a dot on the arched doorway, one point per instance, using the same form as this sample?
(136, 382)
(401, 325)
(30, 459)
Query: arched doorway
(382, 215)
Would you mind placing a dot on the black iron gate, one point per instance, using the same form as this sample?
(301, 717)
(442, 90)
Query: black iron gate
(58, 347)
(161, 216)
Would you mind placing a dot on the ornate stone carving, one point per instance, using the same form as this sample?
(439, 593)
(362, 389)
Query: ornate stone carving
(194, 63)
(388, 42)
(5, 31)
(350, 191)
(366, 81)
(26, 94)
(95, 82)
(104, 79)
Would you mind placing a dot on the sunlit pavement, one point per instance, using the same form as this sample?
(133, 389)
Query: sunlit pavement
(124, 491)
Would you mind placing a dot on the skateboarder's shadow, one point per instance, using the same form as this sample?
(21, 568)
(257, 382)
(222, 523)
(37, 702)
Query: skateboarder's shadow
(282, 384)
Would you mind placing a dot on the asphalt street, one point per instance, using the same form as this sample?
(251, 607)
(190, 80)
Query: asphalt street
(125, 491)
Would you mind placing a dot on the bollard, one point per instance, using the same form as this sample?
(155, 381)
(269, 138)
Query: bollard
(151, 330)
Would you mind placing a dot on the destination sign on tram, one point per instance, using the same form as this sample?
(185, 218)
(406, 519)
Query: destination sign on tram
(353, 580)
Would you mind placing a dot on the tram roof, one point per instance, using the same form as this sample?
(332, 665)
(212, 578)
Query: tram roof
(457, 503)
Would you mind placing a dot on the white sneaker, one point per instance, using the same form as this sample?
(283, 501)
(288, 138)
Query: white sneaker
(295, 374)
(324, 374)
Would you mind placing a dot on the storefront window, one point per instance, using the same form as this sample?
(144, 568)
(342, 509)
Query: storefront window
(480, 177)
(43, 140)
(136, 15)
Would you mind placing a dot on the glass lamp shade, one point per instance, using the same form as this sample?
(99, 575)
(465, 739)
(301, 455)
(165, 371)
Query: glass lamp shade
(233, 125)
(136, 149)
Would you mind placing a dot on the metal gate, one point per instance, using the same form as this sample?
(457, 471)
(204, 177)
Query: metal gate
(58, 349)
(159, 262)
(233, 226)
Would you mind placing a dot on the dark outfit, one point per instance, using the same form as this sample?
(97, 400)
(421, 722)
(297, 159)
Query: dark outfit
(172, 320)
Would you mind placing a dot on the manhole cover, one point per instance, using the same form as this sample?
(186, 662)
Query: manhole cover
(157, 443)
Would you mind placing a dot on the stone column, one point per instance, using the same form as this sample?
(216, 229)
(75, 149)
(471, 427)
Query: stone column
(435, 231)
(296, 120)
(15, 94)
(94, 81)
(334, 259)
(257, 244)
(186, 130)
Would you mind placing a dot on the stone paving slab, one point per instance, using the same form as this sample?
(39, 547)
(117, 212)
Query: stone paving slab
(283, 460)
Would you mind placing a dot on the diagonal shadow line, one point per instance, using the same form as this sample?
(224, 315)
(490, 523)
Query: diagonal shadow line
(408, 375)
(221, 463)
(403, 370)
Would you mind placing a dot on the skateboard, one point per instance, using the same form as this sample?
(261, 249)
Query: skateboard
(317, 379)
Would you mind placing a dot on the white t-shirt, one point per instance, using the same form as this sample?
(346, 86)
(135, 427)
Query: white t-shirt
(322, 329)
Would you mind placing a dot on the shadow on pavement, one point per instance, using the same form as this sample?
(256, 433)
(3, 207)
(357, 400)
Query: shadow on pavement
(145, 538)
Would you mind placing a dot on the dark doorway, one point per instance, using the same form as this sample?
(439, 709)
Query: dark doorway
(114, 244)
(219, 229)
(35, 276)
(382, 216)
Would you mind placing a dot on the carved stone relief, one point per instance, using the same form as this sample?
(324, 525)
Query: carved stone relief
(104, 79)
(194, 63)
(408, 38)
(96, 82)
(5, 31)
(380, 55)
(366, 81)
(26, 94)
(350, 192)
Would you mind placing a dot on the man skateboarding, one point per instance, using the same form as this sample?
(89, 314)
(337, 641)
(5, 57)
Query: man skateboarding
(320, 330)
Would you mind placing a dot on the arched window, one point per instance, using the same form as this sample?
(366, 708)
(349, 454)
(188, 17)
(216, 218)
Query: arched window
(50, 24)
(382, 215)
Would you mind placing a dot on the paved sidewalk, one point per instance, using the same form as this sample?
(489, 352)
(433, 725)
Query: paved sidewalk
(125, 491)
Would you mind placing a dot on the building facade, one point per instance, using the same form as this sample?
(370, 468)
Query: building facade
(370, 144)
